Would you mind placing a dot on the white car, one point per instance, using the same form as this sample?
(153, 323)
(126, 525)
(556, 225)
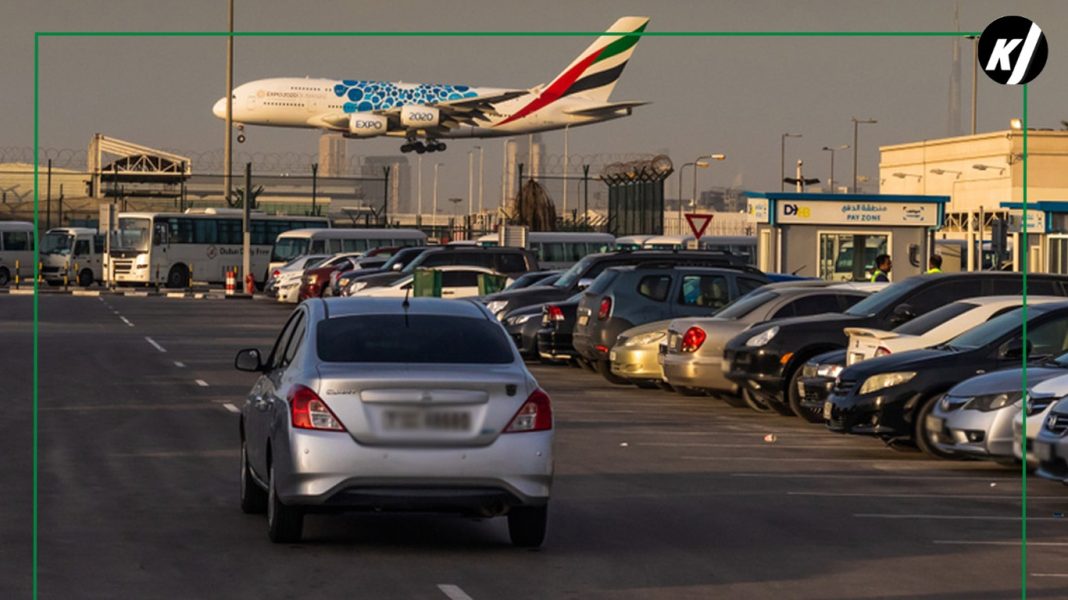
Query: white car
(1034, 424)
(936, 327)
(457, 281)
(297, 265)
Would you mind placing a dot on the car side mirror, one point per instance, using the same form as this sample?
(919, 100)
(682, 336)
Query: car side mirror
(902, 314)
(1014, 349)
(248, 360)
(584, 283)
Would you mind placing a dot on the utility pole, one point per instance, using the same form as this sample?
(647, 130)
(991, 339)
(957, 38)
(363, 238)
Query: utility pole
(229, 150)
(856, 123)
(246, 236)
(782, 158)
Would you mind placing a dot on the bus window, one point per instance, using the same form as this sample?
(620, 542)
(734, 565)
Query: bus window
(205, 231)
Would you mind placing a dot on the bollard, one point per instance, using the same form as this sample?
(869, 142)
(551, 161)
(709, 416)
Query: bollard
(250, 284)
(189, 284)
(66, 278)
(157, 276)
(40, 272)
(77, 276)
(18, 272)
(230, 281)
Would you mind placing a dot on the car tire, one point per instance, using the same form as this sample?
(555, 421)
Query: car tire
(527, 525)
(85, 278)
(253, 497)
(5, 277)
(605, 369)
(755, 403)
(285, 524)
(794, 401)
(922, 437)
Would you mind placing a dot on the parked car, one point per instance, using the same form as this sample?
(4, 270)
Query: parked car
(623, 297)
(934, 328)
(297, 265)
(1046, 394)
(767, 358)
(318, 280)
(582, 274)
(512, 262)
(892, 396)
(396, 262)
(463, 424)
(557, 324)
(1051, 443)
(692, 352)
(974, 418)
(634, 357)
(522, 325)
(534, 278)
(457, 281)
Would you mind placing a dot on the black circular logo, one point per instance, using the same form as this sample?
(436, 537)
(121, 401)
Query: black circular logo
(1012, 50)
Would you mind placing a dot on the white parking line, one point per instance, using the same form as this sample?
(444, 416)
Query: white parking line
(1012, 497)
(992, 543)
(231, 407)
(179, 364)
(453, 592)
(127, 321)
(938, 478)
(1049, 574)
(202, 383)
(955, 517)
(768, 445)
(155, 344)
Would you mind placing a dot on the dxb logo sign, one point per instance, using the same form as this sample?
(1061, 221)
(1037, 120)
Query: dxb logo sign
(1012, 50)
(793, 210)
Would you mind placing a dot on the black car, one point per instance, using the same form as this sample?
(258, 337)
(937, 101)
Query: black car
(891, 396)
(522, 325)
(767, 358)
(817, 382)
(625, 297)
(395, 263)
(534, 278)
(508, 261)
(582, 273)
(557, 325)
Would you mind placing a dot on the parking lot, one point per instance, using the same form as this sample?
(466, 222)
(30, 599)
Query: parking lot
(656, 495)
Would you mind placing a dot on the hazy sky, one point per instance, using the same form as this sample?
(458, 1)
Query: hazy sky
(731, 95)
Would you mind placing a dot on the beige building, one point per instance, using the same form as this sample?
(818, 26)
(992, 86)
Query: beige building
(982, 174)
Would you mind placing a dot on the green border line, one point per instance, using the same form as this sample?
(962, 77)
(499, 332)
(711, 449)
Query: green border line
(483, 34)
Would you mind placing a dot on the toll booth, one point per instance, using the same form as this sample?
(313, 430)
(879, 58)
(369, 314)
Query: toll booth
(1047, 235)
(838, 236)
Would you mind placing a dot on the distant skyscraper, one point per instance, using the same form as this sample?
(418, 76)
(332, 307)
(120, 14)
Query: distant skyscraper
(401, 199)
(953, 116)
(332, 159)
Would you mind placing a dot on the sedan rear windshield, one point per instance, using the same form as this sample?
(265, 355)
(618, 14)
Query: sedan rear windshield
(883, 299)
(413, 339)
(746, 304)
(939, 316)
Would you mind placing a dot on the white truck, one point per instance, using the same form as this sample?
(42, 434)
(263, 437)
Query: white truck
(74, 252)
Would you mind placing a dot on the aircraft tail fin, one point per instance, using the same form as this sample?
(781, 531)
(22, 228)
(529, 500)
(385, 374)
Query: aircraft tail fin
(595, 72)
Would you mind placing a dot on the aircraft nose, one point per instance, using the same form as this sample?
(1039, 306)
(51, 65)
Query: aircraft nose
(219, 109)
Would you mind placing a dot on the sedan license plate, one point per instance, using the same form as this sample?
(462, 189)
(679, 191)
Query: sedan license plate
(856, 357)
(1043, 451)
(583, 319)
(612, 356)
(827, 407)
(422, 420)
(934, 424)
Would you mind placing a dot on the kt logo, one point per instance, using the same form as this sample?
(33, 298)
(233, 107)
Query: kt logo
(1012, 50)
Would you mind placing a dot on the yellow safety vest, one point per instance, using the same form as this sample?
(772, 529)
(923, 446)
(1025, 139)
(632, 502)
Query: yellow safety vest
(936, 270)
(875, 275)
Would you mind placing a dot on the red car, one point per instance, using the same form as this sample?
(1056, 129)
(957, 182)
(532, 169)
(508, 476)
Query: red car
(316, 281)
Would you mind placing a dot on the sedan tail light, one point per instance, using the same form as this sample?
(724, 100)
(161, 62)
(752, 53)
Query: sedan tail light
(605, 310)
(536, 414)
(276, 273)
(554, 313)
(308, 411)
(882, 351)
(693, 338)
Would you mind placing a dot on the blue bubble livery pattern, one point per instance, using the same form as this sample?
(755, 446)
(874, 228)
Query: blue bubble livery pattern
(363, 96)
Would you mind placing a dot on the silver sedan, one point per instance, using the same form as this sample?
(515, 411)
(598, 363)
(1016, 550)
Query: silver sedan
(391, 405)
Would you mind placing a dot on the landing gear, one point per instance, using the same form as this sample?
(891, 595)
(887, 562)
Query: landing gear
(420, 147)
(240, 134)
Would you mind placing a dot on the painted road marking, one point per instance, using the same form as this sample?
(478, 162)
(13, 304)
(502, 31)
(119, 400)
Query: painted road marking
(1012, 497)
(453, 592)
(202, 383)
(231, 408)
(154, 344)
(992, 543)
(938, 478)
(179, 364)
(127, 321)
(954, 517)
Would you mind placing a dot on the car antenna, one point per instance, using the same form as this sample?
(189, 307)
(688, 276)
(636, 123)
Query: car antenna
(406, 305)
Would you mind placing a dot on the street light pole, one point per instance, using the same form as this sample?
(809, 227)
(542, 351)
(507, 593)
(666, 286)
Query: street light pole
(470, 182)
(681, 169)
(419, 180)
(856, 123)
(975, 78)
(481, 181)
(782, 159)
(434, 209)
(228, 167)
(832, 150)
(566, 131)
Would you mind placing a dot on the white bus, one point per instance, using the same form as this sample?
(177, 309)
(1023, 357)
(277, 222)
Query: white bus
(173, 249)
(77, 252)
(560, 249)
(299, 242)
(16, 244)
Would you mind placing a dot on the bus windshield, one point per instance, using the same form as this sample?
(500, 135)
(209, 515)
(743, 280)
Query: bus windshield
(133, 234)
(57, 242)
(287, 248)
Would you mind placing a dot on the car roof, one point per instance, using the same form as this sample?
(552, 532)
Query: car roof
(354, 306)
(1009, 300)
(688, 268)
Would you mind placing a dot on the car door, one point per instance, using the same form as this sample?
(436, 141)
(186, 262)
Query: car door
(262, 398)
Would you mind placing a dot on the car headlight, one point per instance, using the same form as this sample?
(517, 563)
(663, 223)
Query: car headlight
(809, 370)
(496, 306)
(359, 285)
(829, 371)
(990, 402)
(312, 279)
(344, 281)
(646, 339)
(520, 319)
(762, 338)
(885, 380)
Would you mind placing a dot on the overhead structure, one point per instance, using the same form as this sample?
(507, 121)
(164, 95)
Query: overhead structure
(118, 167)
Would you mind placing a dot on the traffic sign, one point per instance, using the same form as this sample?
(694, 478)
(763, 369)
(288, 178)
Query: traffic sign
(698, 223)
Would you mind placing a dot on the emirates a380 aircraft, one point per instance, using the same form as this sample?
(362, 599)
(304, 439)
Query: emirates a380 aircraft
(430, 112)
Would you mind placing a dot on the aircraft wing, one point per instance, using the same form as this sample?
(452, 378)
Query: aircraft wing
(605, 110)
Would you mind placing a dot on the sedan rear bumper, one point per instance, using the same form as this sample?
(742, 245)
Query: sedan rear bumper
(686, 371)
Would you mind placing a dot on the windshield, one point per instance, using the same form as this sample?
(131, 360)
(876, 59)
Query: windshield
(940, 316)
(572, 275)
(413, 339)
(402, 257)
(889, 296)
(990, 331)
(746, 304)
(57, 242)
(132, 234)
(287, 248)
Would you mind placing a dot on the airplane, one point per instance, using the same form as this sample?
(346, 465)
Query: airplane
(419, 111)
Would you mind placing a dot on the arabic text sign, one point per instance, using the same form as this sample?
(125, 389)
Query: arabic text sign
(857, 213)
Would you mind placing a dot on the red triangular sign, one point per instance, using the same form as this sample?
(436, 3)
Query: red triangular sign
(698, 223)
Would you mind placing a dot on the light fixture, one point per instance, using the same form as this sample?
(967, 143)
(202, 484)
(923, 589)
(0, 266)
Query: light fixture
(904, 175)
(981, 167)
(957, 174)
(1016, 123)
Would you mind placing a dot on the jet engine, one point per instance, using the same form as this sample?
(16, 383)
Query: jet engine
(417, 117)
(364, 125)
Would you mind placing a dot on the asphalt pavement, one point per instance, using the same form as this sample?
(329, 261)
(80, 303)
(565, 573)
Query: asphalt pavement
(656, 495)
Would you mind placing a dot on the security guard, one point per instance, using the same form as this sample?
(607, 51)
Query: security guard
(935, 264)
(882, 269)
